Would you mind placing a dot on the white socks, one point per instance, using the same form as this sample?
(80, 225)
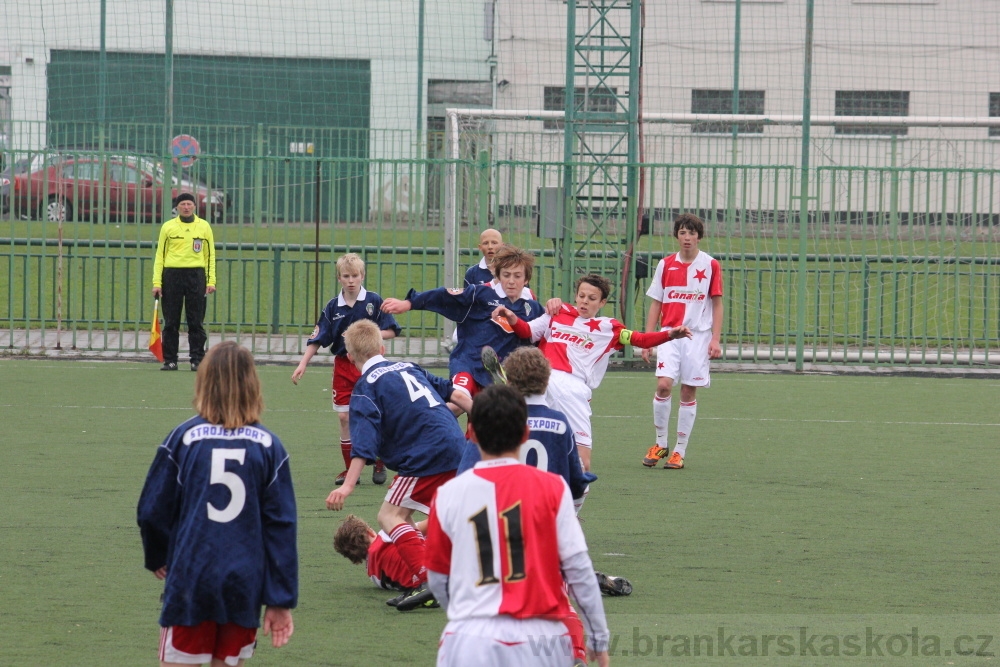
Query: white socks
(685, 423)
(661, 420)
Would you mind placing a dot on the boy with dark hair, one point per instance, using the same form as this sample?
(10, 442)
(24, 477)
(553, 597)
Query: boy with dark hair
(686, 291)
(472, 308)
(352, 304)
(504, 546)
(578, 343)
(387, 567)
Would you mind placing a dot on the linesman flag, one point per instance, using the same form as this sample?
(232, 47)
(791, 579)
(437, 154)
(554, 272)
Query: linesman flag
(155, 340)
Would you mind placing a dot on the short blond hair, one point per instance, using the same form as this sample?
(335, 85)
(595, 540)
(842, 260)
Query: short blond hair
(363, 341)
(528, 370)
(510, 257)
(351, 260)
(227, 388)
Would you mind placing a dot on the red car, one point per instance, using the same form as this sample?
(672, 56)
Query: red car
(78, 187)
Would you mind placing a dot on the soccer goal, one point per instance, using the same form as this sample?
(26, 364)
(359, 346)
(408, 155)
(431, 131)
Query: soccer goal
(879, 250)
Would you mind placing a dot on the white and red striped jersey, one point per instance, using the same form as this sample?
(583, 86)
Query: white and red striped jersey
(578, 345)
(500, 532)
(686, 290)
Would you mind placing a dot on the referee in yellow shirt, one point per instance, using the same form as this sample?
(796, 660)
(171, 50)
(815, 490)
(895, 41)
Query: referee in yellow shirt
(183, 276)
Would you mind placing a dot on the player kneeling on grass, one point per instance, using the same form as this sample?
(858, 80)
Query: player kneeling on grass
(217, 518)
(503, 547)
(399, 413)
(387, 567)
(578, 342)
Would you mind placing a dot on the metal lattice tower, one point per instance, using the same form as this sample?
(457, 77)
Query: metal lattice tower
(601, 149)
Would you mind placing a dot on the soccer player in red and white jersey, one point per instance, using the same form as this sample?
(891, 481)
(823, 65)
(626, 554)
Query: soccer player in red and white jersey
(578, 344)
(389, 559)
(686, 290)
(503, 547)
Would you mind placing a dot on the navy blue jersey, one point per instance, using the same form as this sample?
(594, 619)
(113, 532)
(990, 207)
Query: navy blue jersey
(399, 413)
(478, 274)
(472, 309)
(218, 510)
(550, 447)
(337, 316)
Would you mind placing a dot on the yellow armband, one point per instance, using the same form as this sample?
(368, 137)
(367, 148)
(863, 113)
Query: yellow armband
(625, 337)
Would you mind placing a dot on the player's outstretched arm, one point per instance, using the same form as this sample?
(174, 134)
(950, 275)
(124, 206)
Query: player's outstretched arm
(278, 623)
(335, 501)
(396, 306)
(503, 312)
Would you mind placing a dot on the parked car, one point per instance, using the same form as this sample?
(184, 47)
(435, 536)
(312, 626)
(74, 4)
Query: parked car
(58, 187)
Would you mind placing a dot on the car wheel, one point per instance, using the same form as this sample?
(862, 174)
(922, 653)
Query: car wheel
(56, 209)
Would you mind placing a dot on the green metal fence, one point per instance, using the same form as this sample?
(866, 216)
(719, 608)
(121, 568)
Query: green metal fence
(901, 263)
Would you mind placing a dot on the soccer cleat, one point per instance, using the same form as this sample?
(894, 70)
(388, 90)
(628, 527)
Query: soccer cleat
(392, 602)
(194, 365)
(169, 366)
(418, 598)
(613, 586)
(378, 474)
(341, 477)
(654, 455)
(675, 462)
(491, 362)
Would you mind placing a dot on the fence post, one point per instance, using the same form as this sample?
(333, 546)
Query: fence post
(276, 291)
(258, 177)
(865, 270)
(483, 174)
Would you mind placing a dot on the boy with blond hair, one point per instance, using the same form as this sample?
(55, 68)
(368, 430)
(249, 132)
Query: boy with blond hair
(354, 303)
(399, 413)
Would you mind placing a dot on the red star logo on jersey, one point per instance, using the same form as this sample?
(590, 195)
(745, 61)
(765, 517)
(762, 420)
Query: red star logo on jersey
(659, 366)
(595, 325)
(700, 275)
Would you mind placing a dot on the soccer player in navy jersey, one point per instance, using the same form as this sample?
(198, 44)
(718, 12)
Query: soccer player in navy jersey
(352, 304)
(503, 547)
(217, 519)
(490, 240)
(550, 444)
(472, 308)
(399, 413)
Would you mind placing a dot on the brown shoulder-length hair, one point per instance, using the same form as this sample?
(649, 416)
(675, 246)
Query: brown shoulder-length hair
(227, 389)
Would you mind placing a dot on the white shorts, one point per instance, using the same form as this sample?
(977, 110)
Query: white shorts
(504, 641)
(571, 396)
(685, 360)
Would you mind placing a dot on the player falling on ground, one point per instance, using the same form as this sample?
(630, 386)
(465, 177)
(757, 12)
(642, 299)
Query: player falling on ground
(388, 569)
(578, 342)
(686, 291)
(503, 546)
(352, 304)
(472, 308)
(399, 413)
(218, 521)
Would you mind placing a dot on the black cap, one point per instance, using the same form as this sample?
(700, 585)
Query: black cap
(184, 196)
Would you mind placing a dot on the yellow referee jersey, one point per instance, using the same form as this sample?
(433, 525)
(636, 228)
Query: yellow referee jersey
(185, 245)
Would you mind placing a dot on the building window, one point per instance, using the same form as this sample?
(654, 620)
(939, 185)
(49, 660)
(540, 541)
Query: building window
(995, 112)
(721, 101)
(467, 93)
(598, 99)
(872, 103)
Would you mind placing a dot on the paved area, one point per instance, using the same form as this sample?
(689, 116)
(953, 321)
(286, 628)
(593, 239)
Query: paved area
(282, 349)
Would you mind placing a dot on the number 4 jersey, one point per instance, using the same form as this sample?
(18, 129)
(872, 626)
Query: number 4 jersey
(218, 510)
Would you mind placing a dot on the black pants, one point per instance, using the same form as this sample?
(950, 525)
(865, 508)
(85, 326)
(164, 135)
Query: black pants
(184, 288)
